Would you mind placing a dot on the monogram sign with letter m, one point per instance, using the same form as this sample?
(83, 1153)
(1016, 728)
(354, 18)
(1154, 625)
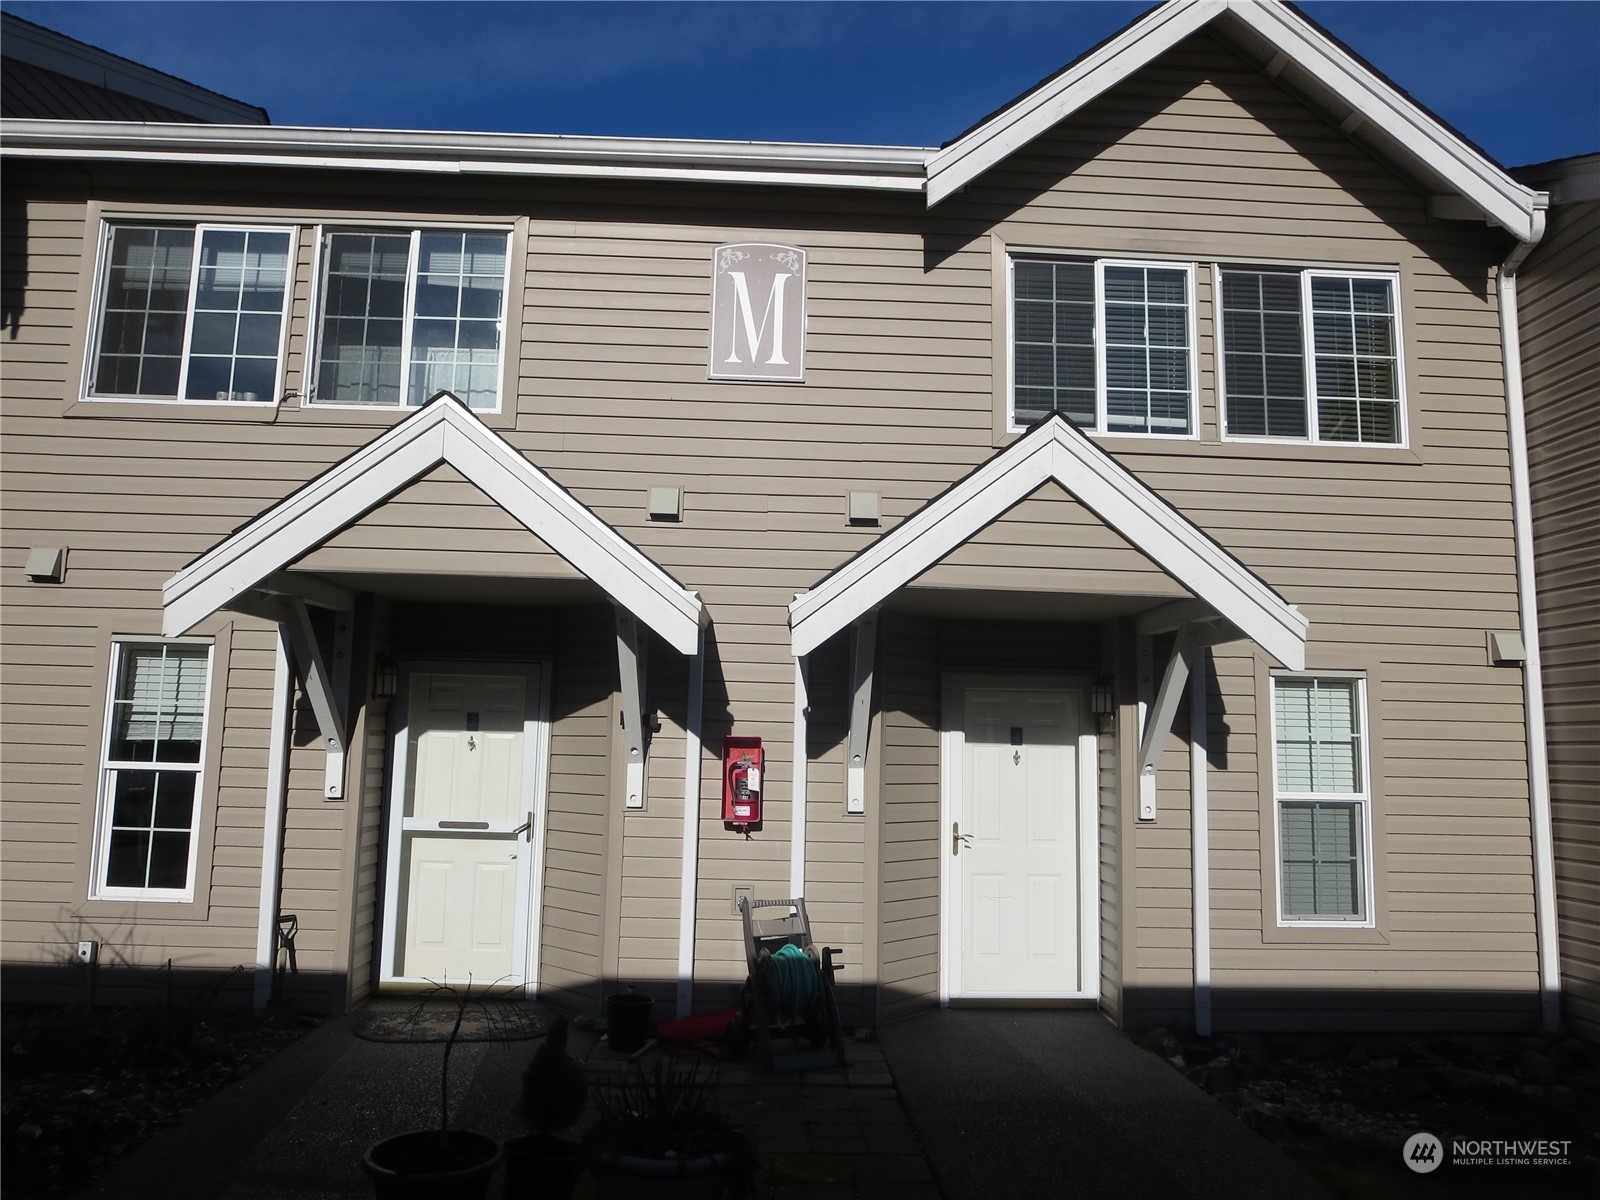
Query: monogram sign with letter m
(758, 312)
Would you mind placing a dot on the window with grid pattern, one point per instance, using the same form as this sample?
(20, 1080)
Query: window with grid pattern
(191, 312)
(1108, 344)
(1311, 355)
(1321, 798)
(409, 314)
(151, 770)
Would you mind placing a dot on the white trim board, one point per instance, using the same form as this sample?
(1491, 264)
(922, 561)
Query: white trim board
(442, 431)
(1053, 450)
(1303, 57)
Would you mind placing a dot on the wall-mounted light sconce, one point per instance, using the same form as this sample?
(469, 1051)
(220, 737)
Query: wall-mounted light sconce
(1102, 698)
(385, 678)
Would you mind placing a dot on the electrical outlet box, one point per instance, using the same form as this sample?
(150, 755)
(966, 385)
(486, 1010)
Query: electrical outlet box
(88, 951)
(745, 890)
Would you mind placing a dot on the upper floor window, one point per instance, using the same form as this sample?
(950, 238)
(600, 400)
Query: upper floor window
(1311, 355)
(191, 312)
(150, 772)
(1110, 344)
(408, 314)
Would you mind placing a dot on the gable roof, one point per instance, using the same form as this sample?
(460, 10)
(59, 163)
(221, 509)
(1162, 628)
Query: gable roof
(1462, 181)
(443, 431)
(1052, 449)
(1293, 50)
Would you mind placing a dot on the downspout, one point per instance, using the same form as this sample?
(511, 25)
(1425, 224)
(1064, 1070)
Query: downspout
(1544, 869)
(797, 819)
(272, 830)
(688, 890)
(1200, 843)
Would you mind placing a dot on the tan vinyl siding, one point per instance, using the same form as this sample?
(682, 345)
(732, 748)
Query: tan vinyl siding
(912, 841)
(1402, 557)
(1560, 315)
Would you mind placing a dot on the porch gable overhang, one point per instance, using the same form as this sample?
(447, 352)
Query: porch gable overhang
(1462, 181)
(442, 431)
(1054, 449)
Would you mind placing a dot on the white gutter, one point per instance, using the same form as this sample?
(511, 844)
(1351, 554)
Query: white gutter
(1544, 867)
(272, 829)
(689, 875)
(893, 168)
(797, 817)
(1200, 844)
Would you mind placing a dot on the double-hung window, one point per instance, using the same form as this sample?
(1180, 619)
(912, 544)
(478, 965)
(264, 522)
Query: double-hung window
(191, 312)
(1311, 356)
(150, 786)
(407, 314)
(1109, 344)
(1321, 799)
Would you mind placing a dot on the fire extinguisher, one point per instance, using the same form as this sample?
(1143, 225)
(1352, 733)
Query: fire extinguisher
(741, 782)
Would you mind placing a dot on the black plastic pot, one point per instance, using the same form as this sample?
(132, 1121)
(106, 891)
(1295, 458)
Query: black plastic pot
(541, 1165)
(457, 1165)
(627, 1021)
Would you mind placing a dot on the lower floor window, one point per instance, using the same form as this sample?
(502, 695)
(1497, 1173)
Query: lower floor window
(151, 770)
(1320, 780)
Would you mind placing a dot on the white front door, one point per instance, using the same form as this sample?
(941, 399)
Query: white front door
(463, 833)
(1019, 840)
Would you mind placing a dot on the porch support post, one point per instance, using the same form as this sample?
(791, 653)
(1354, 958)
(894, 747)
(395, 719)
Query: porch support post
(1193, 637)
(690, 873)
(630, 668)
(863, 651)
(797, 819)
(295, 623)
(272, 829)
(1200, 845)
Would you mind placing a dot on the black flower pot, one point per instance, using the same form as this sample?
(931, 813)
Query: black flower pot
(456, 1165)
(541, 1165)
(623, 1177)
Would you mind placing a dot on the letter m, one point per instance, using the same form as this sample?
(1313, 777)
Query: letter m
(745, 318)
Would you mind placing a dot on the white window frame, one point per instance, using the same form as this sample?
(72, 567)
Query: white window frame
(324, 262)
(1362, 801)
(106, 785)
(108, 228)
(1308, 352)
(1100, 265)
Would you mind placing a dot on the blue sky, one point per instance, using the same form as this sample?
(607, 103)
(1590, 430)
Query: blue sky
(1521, 79)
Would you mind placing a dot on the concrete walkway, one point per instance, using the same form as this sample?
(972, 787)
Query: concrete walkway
(298, 1127)
(1046, 1103)
(1001, 1104)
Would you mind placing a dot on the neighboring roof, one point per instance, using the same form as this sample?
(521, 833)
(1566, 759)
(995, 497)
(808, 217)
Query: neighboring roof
(1299, 55)
(1054, 449)
(443, 431)
(1568, 180)
(47, 74)
(1462, 182)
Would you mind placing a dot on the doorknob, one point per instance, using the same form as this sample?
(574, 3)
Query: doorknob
(958, 839)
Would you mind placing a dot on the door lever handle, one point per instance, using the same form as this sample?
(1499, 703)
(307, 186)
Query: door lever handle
(958, 839)
(525, 828)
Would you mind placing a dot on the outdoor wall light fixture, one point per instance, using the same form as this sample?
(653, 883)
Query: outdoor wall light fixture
(385, 678)
(1102, 698)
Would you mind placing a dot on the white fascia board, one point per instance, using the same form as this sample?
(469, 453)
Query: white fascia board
(891, 168)
(1414, 134)
(441, 432)
(958, 164)
(1500, 198)
(1055, 451)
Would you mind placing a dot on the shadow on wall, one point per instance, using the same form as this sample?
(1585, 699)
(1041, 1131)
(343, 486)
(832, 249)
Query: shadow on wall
(13, 265)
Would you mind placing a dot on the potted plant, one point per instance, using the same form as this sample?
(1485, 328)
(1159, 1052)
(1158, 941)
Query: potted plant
(442, 1162)
(659, 1136)
(554, 1093)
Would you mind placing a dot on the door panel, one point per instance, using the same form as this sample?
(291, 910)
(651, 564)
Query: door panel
(1018, 865)
(458, 905)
